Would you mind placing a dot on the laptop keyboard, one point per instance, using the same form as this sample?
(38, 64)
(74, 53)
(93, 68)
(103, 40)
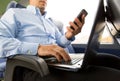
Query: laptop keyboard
(76, 60)
(73, 61)
(54, 60)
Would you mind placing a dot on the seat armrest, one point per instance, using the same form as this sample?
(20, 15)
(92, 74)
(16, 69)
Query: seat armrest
(34, 63)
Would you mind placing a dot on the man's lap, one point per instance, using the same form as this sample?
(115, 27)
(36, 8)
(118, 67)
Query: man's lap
(92, 74)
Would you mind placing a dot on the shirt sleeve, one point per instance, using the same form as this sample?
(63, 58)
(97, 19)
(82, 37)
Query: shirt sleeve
(60, 36)
(9, 44)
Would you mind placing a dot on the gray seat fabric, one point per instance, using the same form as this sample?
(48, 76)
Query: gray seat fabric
(60, 27)
(14, 4)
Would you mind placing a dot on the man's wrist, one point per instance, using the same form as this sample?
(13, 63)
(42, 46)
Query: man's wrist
(68, 36)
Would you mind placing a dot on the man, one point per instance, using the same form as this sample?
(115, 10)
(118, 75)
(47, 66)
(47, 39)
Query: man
(29, 31)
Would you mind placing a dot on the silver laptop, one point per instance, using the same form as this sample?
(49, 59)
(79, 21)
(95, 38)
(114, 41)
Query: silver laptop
(80, 61)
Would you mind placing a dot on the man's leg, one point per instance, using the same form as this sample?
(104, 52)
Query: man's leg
(107, 60)
(98, 73)
(91, 74)
(29, 75)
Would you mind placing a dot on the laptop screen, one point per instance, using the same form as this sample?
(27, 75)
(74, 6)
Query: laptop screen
(96, 34)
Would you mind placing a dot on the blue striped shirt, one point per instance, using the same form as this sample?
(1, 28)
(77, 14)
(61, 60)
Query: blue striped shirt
(22, 30)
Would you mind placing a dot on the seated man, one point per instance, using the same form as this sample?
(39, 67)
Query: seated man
(29, 31)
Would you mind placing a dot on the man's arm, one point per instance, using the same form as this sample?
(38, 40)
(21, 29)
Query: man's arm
(9, 44)
(65, 40)
(77, 27)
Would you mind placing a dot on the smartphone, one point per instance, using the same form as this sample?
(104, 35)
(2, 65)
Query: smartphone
(83, 11)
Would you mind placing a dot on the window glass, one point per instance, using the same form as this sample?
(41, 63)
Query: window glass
(67, 10)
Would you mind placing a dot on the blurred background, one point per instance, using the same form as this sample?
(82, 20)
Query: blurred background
(4, 3)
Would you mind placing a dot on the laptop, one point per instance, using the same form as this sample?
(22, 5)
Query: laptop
(81, 61)
(113, 18)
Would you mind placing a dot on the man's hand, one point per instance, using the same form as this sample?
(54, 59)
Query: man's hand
(77, 27)
(53, 50)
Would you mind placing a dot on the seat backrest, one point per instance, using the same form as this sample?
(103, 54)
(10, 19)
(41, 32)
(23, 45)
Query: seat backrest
(60, 27)
(14, 4)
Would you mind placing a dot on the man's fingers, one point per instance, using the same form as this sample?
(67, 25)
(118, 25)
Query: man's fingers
(53, 50)
(63, 54)
(57, 55)
(79, 23)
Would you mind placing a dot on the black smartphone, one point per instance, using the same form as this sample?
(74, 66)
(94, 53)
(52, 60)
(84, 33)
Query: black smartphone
(83, 11)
